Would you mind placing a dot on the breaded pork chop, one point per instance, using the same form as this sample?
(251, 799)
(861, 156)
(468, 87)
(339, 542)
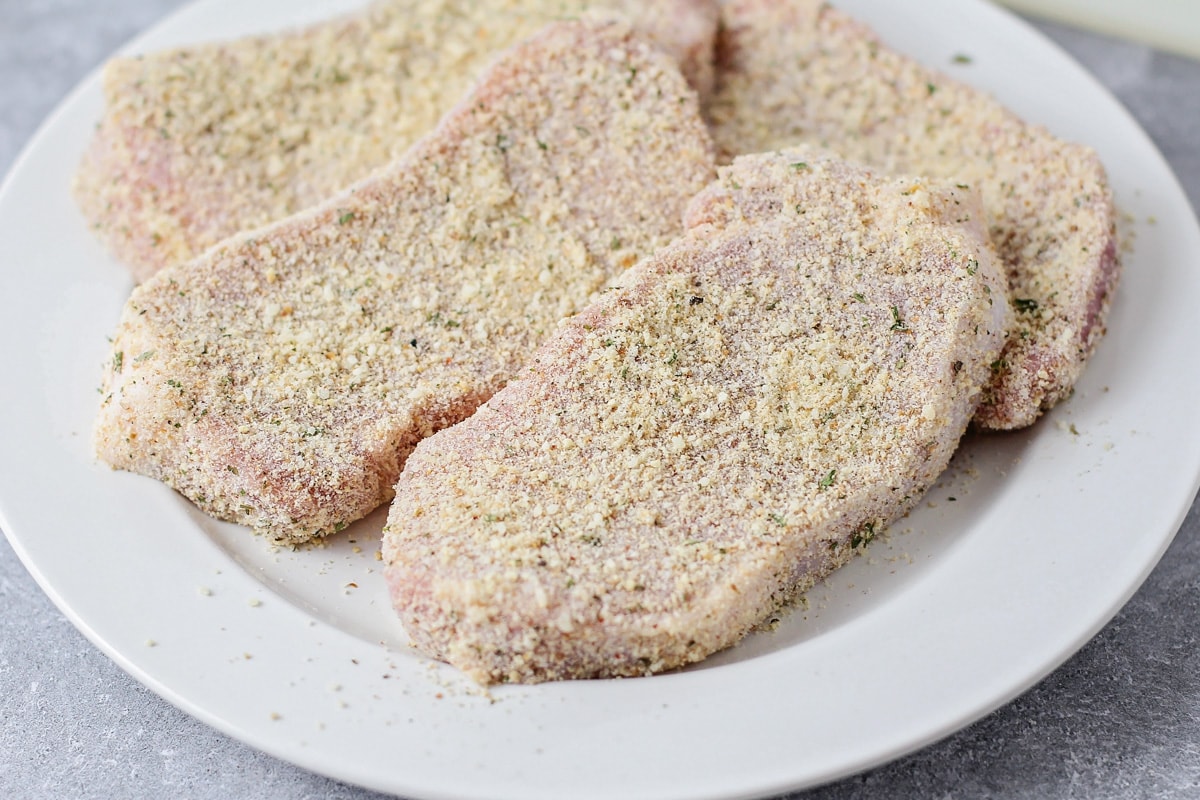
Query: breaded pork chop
(800, 72)
(751, 406)
(280, 379)
(202, 142)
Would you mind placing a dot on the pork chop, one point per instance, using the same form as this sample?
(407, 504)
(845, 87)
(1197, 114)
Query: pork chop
(799, 71)
(741, 415)
(280, 379)
(202, 142)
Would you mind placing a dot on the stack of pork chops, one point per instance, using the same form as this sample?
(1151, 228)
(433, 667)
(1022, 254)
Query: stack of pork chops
(480, 261)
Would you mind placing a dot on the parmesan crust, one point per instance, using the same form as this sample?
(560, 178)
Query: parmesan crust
(202, 142)
(798, 71)
(280, 379)
(740, 416)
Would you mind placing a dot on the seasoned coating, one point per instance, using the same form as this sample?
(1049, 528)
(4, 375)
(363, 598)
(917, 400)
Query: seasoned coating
(280, 379)
(800, 72)
(202, 142)
(745, 412)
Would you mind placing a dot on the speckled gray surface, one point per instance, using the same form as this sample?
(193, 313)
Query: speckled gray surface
(1120, 719)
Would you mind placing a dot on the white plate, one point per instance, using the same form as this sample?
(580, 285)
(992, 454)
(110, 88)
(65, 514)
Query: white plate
(970, 602)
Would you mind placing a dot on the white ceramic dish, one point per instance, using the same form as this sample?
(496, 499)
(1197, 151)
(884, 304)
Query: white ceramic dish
(1030, 544)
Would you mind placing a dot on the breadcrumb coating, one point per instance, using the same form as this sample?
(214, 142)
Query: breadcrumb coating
(800, 72)
(744, 412)
(202, 142)
(280, 379)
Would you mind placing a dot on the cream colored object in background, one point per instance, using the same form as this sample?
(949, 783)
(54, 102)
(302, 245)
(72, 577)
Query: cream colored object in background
(1172, 25)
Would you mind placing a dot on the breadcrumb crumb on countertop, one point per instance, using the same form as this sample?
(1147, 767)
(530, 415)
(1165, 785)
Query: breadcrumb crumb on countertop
(202, 142)
(280, 379)
(748, 409)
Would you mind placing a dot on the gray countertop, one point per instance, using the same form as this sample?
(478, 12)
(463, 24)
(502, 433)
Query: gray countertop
(1119, 719)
